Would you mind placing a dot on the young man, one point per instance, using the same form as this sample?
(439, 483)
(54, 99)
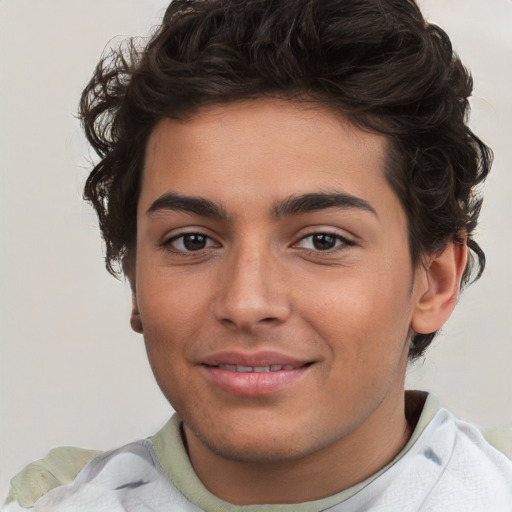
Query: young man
(289, 187)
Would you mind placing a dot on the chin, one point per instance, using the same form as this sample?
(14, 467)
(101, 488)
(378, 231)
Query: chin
(260, 441)
(258, 450)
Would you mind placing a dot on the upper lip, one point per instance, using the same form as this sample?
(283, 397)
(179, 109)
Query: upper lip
(257, 359)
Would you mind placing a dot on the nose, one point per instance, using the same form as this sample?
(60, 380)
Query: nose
(252, 291)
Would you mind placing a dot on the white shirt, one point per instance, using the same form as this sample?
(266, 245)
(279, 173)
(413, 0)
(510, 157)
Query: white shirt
(449, 468)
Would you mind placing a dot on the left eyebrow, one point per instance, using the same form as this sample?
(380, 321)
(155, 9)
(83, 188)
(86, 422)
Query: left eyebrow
(297, 205)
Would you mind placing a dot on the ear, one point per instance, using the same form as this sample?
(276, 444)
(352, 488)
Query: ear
(135, 319)
(438, 288)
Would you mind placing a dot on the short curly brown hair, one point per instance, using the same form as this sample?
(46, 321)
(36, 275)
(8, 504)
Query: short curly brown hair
(378, 62)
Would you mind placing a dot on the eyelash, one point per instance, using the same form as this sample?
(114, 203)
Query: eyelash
(341, 243)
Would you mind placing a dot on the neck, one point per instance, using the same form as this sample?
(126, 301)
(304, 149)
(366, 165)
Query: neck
(332, 469)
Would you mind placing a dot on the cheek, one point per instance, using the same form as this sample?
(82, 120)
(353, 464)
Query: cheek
(169, 301)
(359, 303)
(364, 318)
(168, 312)
(167, 337)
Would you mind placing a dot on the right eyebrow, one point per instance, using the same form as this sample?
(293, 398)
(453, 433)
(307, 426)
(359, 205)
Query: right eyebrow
(197, 205)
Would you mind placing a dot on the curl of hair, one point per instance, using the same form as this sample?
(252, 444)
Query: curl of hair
(376, 62)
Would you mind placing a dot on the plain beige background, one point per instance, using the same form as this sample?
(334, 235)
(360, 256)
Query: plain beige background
(71, 371)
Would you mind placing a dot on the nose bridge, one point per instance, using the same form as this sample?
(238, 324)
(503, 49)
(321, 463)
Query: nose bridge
(251, 291)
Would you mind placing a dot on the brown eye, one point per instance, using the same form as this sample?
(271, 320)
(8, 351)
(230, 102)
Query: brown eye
(323, 242)
(190, 242)
(194, 242)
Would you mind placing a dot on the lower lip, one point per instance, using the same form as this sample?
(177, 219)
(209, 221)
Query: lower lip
(253, 383)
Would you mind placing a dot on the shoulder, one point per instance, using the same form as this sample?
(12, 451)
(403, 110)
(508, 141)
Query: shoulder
(116, 479)
(493, 441)
(500, 438)
(62, 465)
(59, 467)
(423, 407)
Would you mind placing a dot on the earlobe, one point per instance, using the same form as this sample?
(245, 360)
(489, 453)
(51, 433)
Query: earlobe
(129, 271)
(439, 283)
(135, 319)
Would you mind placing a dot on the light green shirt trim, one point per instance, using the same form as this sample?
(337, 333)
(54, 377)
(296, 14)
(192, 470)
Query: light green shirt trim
(500, 438)
(59, 467)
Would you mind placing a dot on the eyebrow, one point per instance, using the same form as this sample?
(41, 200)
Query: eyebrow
(297, 205)
(293, 205)
(197, 205)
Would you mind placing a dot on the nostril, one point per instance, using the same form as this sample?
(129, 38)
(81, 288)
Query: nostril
(246, 307)
(228, 321)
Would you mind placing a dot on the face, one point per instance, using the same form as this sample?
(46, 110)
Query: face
(273, 281)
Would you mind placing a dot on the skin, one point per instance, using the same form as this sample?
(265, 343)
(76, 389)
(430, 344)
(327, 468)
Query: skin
(258, 281)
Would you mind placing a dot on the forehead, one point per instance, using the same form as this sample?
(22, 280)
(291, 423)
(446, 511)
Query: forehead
(247, 152)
